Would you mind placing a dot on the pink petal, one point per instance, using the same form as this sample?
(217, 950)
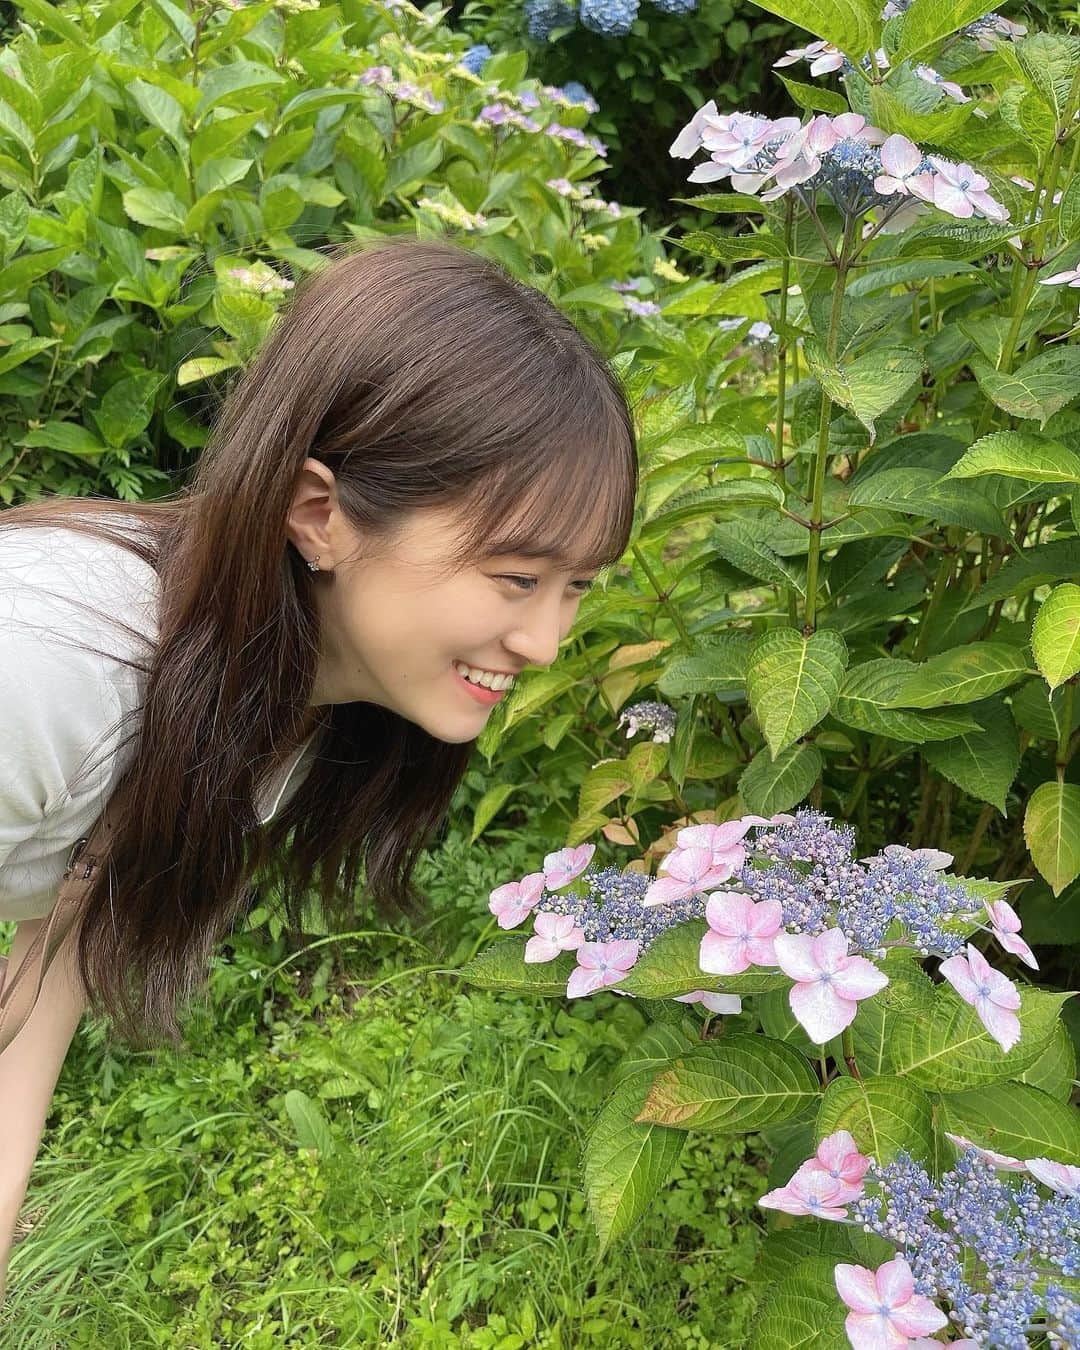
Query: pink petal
(539, 949)
(918, 1317)
(761, 952)
(1002, 1024)
(795, 955)
(981, 969)
(590, 955)
(766, 919)
(873, 1331)
(1058, 1176)
(729, 1004)
(720, 955)
(664, 890)
(622, 953)
(858, 978)
(1003, 916)
(820, 1011)
(729, 913)
(895, 1282)
(857, 1287)
(583, 981)
(562, 867)
(899, 156)
(830, 949)
(952, 200)
(1003, 992)
(957, 971)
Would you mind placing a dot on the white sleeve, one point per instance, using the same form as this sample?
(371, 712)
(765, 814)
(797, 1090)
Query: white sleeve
(59, 727)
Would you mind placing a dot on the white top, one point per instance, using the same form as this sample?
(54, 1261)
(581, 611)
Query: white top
(61, 708)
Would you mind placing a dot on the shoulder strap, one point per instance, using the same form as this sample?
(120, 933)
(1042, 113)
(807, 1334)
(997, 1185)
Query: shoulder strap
(21, 987)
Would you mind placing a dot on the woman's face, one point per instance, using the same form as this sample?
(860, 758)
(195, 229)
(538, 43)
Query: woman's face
(393, 626)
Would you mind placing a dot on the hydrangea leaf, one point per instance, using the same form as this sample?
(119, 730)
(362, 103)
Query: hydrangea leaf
(1055, 1069)
(793, 681)
(670, 968)
(868, 689)
(927, 22)
(1016, 1119)
(852, 25)
(802, 1311)
(1055, 634)
(947, 1048)
(503, 966)
(1052, 832)
(1040, 388)
(883, 1115)
(736, 1083)
(1018, 454)
(769, 785)
(963, 675)
(868, 386)
(984, 762)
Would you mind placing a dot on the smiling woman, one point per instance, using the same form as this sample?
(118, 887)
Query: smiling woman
(357, 523)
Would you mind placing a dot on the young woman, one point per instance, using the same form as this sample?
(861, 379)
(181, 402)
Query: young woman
(419, 476)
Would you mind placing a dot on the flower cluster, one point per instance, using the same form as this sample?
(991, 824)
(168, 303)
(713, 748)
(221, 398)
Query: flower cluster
(658, 718)
(382, 77)
(609, 18)
(856, 164)
(971, 1240)
(501, 113)
(790, 899)
(260, 277)
(453, 213)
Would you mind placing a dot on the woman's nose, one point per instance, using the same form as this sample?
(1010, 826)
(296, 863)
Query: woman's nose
(538, 643)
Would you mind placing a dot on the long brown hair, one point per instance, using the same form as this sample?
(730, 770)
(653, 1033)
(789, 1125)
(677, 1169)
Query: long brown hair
(424, 375)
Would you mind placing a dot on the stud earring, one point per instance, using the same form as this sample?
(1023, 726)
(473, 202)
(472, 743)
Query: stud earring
(313, 563)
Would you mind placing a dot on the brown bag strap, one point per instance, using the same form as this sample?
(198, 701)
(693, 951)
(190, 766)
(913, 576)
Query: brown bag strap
(21, 987)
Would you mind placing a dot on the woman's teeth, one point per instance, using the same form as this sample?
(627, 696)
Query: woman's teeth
(483, 677)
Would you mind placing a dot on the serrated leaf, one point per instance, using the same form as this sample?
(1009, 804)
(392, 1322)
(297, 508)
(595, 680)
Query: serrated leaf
(738, 543)
(884, 1115)
(1041, 387)
(928, 22)
(947, 1048)
(852, 25)
(1015, 1119)
(910, 992)
(869, 385)
(670, 967)
(1018, 454)
(983, 762)
(793, 681)
(503, 966)
(865, 695)
(705, 503)
(963, 675)
(718, 668)
(729, 248)
(626, 1162)
(1055, 635)
(738, 1082)
(769, 785)
(803, 1311)
(1052, 832)
(1054, 1072)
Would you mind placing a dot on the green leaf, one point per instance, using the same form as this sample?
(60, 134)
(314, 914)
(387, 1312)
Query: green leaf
(727, 248)
(127, 407)
(488, 807)
(803, 1311)
(1018, 454)
(1040, 388)
(869, 385)
(793, 681)
(68, 437)
(1052, 832)
(852, 25)
(159, 210)
(311, 1126)
(864, 702)
(1016, 1119)
(884, 1115)
(737, 542)
(813, 98)
(984, 762)
(922, 492)
(928, 22)
(738, 1082)
(1069, 211)
(719, 668)
(963, 675)
(706, 502)
(502, 966)
(626, 1162)
(1054, 1072)
(161, 110)
(948, 1048)
(769, 785)
(670, 967)
(909, 993)
(1055, 635)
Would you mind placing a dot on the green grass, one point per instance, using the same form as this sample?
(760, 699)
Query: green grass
(172, 1204)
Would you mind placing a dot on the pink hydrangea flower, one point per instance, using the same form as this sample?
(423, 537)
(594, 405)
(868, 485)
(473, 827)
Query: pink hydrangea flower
(600, 964)
(1005, 926)
(828, 982)
(562, 867)
(812, 1191)
(1002, 1161)
(741, 933)
(994, 997)
(900, 158)
(690, 871)
(839, 1159)
(688, 142)
(552, 934)
(886, 1312)
(961, 191)
(822, 56)
(1063, 1177)
(512, 902)
(730, 1004)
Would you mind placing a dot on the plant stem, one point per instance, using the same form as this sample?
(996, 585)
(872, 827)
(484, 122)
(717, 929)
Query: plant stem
(663, 596)
(821, 454)
(847, 1043)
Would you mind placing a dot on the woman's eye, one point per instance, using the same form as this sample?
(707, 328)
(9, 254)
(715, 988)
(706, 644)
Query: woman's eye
(528, 583)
